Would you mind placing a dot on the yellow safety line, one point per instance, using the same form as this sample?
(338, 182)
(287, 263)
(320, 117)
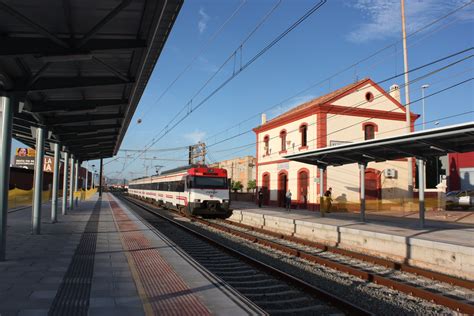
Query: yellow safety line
(136, 277)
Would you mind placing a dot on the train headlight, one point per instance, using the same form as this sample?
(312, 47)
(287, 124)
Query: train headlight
(197, 200)
(225, 201)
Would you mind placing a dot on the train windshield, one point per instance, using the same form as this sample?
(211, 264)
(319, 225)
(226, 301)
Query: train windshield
(207, 183)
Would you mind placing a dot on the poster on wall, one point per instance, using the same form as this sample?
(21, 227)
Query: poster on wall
(25, 158)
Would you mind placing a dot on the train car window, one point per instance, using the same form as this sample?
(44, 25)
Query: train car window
(180, 186)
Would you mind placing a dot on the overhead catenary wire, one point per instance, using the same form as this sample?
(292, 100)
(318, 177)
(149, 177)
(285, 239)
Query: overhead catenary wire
(355, 64)
(450, 13)
(246, 65)
(380, 95)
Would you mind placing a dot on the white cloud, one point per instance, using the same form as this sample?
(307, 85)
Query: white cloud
(203, 19)
(195, 136)
(383, 17)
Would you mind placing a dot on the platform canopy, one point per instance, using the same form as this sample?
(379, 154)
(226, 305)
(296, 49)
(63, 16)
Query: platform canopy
(421, 145)
(79, 67)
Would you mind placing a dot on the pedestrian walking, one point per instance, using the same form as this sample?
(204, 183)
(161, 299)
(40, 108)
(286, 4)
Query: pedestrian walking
(288, 200)
(260, 197)
(328, 198)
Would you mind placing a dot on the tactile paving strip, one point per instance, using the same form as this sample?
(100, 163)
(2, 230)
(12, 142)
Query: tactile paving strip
(165, 291)
(72, 297)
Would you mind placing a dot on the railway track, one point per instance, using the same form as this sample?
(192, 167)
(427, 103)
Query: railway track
(273, 290)
(454, 293)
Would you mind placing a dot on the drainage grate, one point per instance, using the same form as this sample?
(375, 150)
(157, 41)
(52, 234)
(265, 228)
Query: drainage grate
(72, 297)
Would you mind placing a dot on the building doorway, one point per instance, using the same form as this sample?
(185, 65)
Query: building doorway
(266, 188)
(372, 184)
(282, 187)
(303, 184)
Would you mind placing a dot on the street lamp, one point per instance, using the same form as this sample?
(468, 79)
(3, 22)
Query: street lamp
(423, 87)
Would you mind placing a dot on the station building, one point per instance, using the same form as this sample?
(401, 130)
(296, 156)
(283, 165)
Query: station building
(358, 111)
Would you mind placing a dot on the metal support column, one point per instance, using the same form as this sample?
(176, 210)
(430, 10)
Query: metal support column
(38, 182)
(65, 181)
(54, 198)
(71, 184)
(87, 176)
(421, 191)
(322, 205)
(76, 174)
(362, 191)
(100, 176)
(6, 108)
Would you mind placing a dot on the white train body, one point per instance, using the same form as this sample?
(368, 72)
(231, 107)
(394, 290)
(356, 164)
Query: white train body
(192, 190)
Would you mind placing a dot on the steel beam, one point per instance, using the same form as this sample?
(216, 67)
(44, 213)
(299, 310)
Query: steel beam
(421, 190)
(73, 105)
(87, 177)
(58, 83)
(20, 46)
(362, 191)
(100, 176)
(39, 28)
(66, 130)
(76, 174)
(38, 181)
(71, 184)
(54, 198)
(65, 181)
(96, 28)
(81, 118)
(6, 109)
(322, 207)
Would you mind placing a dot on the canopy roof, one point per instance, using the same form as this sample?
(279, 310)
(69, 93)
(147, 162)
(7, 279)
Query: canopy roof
(423, 144)
(79, 67)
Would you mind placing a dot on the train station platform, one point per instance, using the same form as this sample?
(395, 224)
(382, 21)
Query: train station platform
(443, 245)
(101, 259)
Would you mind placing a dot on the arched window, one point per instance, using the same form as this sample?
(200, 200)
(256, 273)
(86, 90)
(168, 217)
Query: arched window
(369, 130)
(283, 140)
(304, 135)
(266, 143)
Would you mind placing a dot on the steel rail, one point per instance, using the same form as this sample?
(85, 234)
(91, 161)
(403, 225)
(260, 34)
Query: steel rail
(363, 257)
(336, 301)
(368, 276)
(440, 299)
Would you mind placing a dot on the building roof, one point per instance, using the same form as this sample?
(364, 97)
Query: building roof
(422, 144)
(322, 99)
(326, 100)
(80, 67)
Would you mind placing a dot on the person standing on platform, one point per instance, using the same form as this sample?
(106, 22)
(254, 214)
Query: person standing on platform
(260, 197)
(328, 198)
(288, 200)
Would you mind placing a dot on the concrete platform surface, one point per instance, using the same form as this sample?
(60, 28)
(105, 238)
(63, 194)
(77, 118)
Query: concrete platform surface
(443, 246)
(101, 259)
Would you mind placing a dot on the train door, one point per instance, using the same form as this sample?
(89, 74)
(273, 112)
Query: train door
(372, 184)
(266, 188)
(303, 183)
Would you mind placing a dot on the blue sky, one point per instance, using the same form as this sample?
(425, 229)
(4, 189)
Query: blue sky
(335, 37)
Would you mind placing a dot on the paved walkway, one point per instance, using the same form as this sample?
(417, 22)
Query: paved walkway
(456, 229)
(100, 259)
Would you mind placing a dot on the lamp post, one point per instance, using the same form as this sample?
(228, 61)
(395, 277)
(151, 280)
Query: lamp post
(423, 87)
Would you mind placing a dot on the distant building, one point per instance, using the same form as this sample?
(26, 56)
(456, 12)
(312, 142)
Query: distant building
(356, 112)
(239, 169)
(461, 171)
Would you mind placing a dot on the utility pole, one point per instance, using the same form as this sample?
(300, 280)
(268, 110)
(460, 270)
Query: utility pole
(407, 100)
(197, 154)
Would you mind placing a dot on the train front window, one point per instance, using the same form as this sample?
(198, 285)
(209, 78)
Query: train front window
(207, 183)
